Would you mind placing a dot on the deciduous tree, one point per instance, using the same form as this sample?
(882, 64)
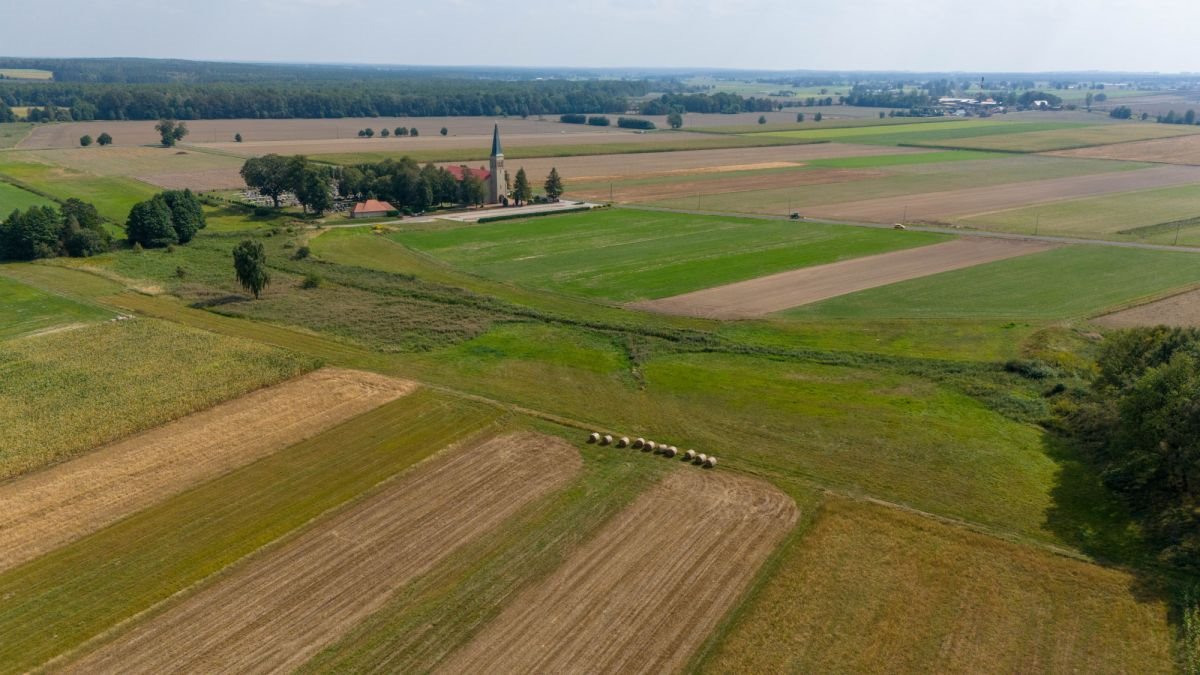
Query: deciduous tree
(170, 132)
(250, 265)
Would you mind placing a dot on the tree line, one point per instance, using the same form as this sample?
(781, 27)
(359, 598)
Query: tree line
(1140, 423)
(75, 229)
(720, 102)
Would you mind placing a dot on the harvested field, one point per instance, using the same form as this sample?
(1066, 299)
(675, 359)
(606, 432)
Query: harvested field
(1185, 150)
(764, 295)
(870, 589)
(1182, 310)
(281, 608)
(938, 206)
(1062, 139)
(173, 168)
(736, 182)
(221, 132)
(604, 167)
(64, 502)
(648, 589)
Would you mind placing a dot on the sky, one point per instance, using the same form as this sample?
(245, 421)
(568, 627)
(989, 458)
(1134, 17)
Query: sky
(930, 35)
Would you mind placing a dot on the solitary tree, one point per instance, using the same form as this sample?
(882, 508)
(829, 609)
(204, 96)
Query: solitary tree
(521, 191)
(368, 132)
(675, 120)
(171, 131)
(554, 185)
(762, 119)
(250, 264)
(816, 117)
(799, 117)
(413, 132)
(237, 138)
(104, 139)
(445, 131)
(85, 140)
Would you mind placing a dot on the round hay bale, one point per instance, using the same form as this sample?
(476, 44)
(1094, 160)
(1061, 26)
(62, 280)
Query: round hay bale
(701, 458)
(594, 437)
(671, 451)
(689, 455)
(622, 441)
(650, 446)
(607, 440)
(638, 443)
(710, 462)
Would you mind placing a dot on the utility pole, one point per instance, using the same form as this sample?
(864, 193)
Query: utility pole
(1037, 223)
(1178, 227)
(610, 193)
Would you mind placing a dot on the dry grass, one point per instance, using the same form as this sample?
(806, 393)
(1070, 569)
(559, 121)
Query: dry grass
(1184, 150)
(874, 590)
(164, 167)
(65, 393)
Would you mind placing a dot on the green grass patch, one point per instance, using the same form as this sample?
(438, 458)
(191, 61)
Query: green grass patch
(65, 393)
(29, 310)
(810, 124)
(59, 601)
(883, 161)
(625, 255)
(13, 198)
(664, 141)
(1072, 281)
(1151, 216)
(13, 133)
(1063, 138)
(428, 619)
(113, 196)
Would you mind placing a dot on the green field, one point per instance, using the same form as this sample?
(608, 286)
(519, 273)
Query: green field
(626, 255)
(28, 310)
(847, 596)
(13, 197)
(104, 382)
(1064, 138)
(59, 601)
(1153, 216)
(26, 74)
(896, 180)
(826, 122)
(924, 133)
(1068, 282)
(113, 196)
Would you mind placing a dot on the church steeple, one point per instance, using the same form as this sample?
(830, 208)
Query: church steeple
(496, 149)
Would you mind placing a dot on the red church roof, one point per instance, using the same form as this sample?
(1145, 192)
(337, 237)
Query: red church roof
(372, 206)
(460, 171)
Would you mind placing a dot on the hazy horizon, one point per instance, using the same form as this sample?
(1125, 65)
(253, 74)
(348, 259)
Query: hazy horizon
(860, 35)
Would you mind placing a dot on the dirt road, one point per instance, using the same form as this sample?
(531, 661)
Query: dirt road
(276, 611)
(647, 590)
(47, 509)
(777, 292)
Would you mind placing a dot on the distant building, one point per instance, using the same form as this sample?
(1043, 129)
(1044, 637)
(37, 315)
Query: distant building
(371, 208)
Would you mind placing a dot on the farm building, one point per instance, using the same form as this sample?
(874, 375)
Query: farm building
(371, 208)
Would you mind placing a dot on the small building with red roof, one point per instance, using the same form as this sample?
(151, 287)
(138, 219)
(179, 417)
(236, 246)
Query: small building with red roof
(371, 208)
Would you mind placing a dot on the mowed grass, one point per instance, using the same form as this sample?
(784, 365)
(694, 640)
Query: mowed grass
(113, 196)
(929, 133)
(57, 602)
(664, 141)
(1065, 138)
(426, 620)
(883, 161)
(28, 310)
(65, 393)
(13, 197)
(1067, 282)
(625, 255)
(1145, 215)
(870, 589)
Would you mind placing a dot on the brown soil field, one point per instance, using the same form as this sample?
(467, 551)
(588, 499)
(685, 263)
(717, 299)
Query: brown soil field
(941, 206)
(623, 167)
(1180, 150)
(777, 292)
(633, 193)
(648, 590)
(172, 168)
(47, 509)
(279, 609)
(254, 131)
(1181, 310)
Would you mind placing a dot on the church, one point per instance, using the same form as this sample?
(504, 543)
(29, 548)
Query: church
(495, 177)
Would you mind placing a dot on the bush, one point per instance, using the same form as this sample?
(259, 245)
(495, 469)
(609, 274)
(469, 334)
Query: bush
(263, 212)
(572, 119)
(1031, 369)
(302, 253)
(632, 123)
(598, 121)
(311, 280)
